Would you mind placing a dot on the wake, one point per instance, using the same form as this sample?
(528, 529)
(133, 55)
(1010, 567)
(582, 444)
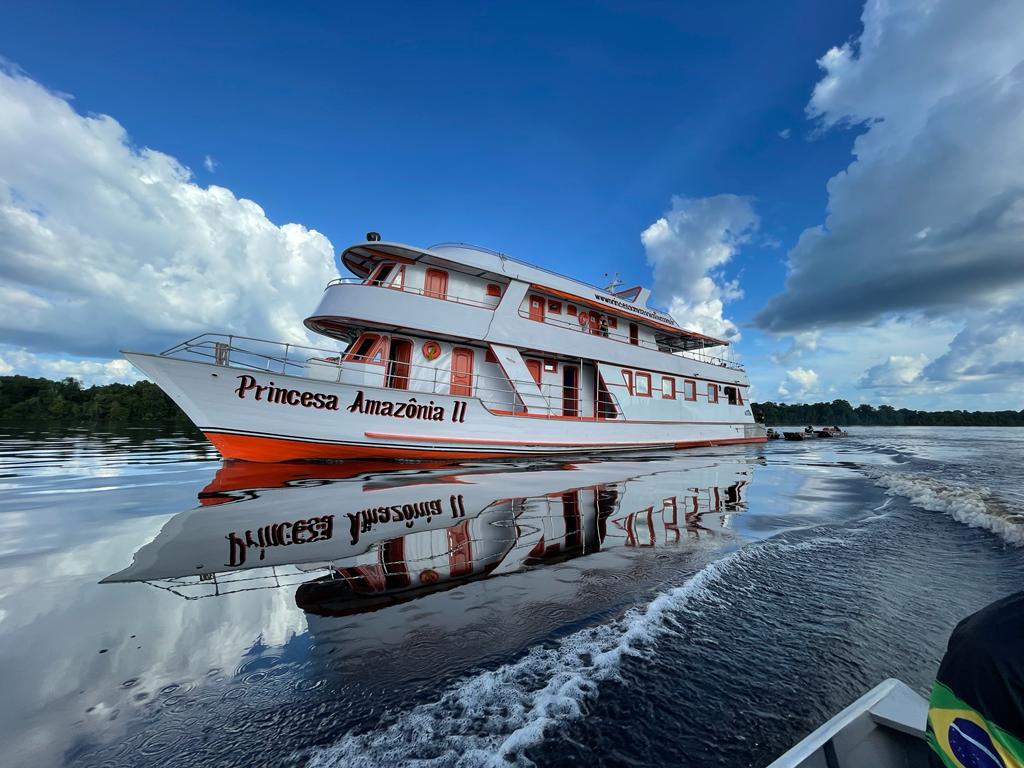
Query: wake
(491, 718)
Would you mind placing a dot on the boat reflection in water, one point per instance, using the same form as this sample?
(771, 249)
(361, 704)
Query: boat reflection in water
(360, 536)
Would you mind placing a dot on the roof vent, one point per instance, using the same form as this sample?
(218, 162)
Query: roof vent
(373, 237)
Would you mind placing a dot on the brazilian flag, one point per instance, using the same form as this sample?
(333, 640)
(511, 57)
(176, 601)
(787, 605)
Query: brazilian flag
(962, 738)
(976, 712)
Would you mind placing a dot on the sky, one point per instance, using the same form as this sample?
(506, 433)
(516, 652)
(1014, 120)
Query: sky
(834, 187)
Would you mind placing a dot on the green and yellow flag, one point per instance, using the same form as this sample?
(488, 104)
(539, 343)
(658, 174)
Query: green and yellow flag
(976, 712)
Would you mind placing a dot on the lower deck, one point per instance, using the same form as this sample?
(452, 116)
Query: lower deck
(402, 397)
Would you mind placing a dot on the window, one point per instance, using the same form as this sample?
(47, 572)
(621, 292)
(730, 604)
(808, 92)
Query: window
(554, 307)
(551, 366)
(493, 289)
(634, 334)
(613, 323)
(398, 281)
(668, 387)
(689, 389)
(732, 394)
(627, 376)
(369, 348)
(571, 309)
(490, 357)
(643, 384)
(380, 277)
(712, 393)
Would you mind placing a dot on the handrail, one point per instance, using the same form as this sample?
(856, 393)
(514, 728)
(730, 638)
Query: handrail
(416, 291)
(224, 349)
(625, 339)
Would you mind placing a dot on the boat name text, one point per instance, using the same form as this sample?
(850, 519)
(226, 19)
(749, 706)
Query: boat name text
(408, 410)
(285, 396)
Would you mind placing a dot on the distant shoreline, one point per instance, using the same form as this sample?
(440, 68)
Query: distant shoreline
(841, 413)
(35, 401)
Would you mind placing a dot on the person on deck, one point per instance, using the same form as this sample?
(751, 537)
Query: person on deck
(976, 711)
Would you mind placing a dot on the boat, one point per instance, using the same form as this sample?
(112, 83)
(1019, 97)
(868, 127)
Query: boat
(806, 434)
(884, 728)
(457, 351)
(810, 433)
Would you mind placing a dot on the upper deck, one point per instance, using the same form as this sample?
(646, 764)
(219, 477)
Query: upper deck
(491, 296)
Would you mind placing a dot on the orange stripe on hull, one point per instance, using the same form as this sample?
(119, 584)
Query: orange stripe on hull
(272, 449)
(253, 448)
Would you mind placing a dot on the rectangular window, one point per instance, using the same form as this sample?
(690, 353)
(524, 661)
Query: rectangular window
(551, 366)
(493, 289)
(643, 384)
(554, 307)
(712, 393)
(690, 389)
(668, 387)
(571, 309)
(613, 323)
(627, 376)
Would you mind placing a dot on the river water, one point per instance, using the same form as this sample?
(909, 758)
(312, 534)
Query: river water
(710, 607)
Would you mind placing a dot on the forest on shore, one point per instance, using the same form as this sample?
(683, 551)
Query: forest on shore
(842, 414)
(25, 400)
(36, 400)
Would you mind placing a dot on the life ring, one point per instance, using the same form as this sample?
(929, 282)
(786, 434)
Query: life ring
(431, 350)
(584, 319)
(429, 576)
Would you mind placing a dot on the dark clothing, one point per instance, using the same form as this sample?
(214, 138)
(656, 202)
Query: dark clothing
(976, 712)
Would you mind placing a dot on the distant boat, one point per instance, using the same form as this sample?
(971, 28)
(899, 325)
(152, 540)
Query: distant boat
(456, 352)
(810, 433)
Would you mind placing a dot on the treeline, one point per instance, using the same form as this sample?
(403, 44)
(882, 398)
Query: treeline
(27, 400)
(841, 413)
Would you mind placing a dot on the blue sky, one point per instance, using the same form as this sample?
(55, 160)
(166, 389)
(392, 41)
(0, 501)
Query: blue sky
(556, 132)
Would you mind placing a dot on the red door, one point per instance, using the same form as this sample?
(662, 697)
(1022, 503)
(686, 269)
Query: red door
(533, 366)
(462, 372)
(537, 308)
(398, 364)
(436, 283)
(634, 334)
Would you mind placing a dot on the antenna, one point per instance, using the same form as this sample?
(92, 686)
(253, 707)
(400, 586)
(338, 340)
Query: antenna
(616, 281)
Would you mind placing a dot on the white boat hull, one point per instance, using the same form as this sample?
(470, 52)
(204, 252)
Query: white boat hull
(257, 416)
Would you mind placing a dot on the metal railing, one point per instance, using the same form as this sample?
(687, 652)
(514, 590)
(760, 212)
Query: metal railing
(496, 393)
(623, 338)
(416, 291)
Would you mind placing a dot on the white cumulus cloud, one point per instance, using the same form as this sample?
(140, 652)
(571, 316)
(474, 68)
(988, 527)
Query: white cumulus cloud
(105, 245)
(688, 248)
(896, 371)
(929, 216)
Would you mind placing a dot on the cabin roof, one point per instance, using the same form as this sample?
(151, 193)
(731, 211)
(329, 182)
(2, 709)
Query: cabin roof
(362, 258)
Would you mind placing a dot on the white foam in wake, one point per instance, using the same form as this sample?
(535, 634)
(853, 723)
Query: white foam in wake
(972, 506)
(492, 717)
